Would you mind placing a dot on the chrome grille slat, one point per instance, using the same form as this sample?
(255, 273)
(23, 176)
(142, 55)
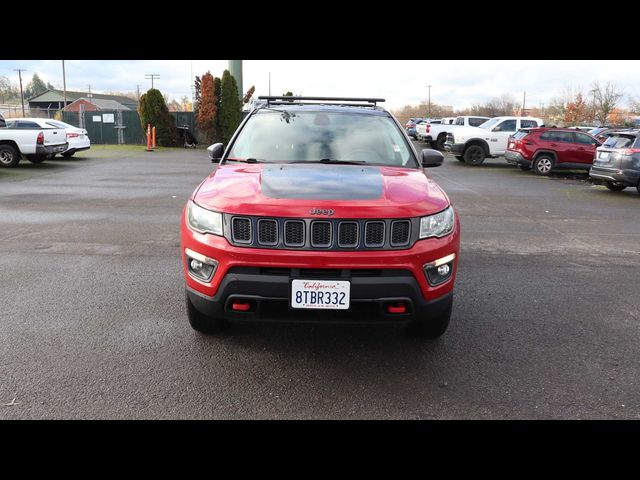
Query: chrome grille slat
(321, 234)
(400, 233)
(374, 234)
(294, 233)
(241, 229)
(267, 232)
(348, 234)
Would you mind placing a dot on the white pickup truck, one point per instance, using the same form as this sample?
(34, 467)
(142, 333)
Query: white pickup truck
(31, 141)
(437, 134)
(473, 144)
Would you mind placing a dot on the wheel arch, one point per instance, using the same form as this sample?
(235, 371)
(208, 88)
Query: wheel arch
(480, 142)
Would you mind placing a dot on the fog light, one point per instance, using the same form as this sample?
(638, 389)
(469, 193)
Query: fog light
(200, 267)
(443, 270)
(439, 271)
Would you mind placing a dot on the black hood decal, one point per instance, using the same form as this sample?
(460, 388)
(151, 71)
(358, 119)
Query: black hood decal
(322, 182)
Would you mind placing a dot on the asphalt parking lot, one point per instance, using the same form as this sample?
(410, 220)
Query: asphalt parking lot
(546, 319)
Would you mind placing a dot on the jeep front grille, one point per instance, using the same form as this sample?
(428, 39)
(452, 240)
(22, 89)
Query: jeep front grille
(325, 234)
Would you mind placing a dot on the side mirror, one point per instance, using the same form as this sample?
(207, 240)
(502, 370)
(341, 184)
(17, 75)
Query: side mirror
(431, 158)
(215, 152)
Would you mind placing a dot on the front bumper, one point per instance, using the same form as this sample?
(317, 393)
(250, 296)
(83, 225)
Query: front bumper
(264, 276)
(268, 296)
(516, 158)
(627, 177)
(455, 148)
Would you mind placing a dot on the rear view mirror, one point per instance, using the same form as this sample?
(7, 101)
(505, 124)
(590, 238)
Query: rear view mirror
(215, 152)
(431, 158)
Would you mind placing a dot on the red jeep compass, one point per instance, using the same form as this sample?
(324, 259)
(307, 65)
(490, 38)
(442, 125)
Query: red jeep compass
(320, 210)
(546, 149)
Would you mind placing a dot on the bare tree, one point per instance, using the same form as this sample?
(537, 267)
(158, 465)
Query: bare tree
(603, 100)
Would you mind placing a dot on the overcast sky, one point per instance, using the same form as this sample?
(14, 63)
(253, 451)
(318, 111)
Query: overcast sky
(459, 83)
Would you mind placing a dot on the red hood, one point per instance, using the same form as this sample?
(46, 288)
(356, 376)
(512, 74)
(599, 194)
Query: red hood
(291, 190)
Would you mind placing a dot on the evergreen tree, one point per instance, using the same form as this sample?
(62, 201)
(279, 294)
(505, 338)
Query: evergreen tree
(153, 110)
(230, 107)
(217, 92)
(35, 87)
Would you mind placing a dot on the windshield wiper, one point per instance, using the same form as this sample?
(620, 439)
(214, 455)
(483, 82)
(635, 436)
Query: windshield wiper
(333, 161)
(245, 160)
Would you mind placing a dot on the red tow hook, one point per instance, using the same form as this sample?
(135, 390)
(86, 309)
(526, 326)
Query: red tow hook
(397, 308)
(241, 306)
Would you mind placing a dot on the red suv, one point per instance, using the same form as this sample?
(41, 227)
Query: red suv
(320, 210)
(545, 149)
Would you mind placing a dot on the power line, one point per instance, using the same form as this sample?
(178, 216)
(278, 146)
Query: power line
(20, 70)
(152, 76)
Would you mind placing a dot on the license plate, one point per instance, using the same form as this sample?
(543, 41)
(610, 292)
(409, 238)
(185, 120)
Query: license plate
(603, 156)
(320, 294)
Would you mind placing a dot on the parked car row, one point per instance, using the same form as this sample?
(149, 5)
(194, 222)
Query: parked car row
(38, 139)
(610, 155)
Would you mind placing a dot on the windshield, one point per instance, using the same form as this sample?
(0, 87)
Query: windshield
(489, 123)
(308, 136)
(57, 124)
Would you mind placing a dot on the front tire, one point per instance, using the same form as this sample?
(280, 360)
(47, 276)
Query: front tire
(68, 154)
(201, 322)
(615, 186)
(432, 326)
(9, 156)
(440, 142)
(543, 165)
(474, 155)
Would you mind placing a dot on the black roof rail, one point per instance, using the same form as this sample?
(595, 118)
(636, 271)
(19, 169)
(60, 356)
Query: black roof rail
(289, 99)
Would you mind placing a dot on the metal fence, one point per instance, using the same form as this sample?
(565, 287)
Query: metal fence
(119, 127)
(15, 111)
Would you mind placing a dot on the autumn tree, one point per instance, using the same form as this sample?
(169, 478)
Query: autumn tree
(230, 107)
(153, 110)
(604, 98)
(576, 112)
(249, 95)
(207, 116)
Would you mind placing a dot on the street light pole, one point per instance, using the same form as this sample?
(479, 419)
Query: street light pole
(429, 114)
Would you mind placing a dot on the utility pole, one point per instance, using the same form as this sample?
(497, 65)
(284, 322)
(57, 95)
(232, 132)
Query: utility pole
(20, 70)
(152, 76)
(64, 84)
(138, 92)
(269, 83)
(524, 99)
(429, 114)
(89, 95)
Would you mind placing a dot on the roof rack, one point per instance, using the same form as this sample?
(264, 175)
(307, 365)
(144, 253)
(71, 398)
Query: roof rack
(346, 101)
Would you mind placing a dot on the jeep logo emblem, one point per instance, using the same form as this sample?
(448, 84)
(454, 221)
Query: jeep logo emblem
(320, 211)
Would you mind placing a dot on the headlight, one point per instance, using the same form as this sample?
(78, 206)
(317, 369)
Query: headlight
(437, 225)
(203, 220)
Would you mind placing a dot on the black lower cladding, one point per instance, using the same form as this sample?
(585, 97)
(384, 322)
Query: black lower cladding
(267, 290)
